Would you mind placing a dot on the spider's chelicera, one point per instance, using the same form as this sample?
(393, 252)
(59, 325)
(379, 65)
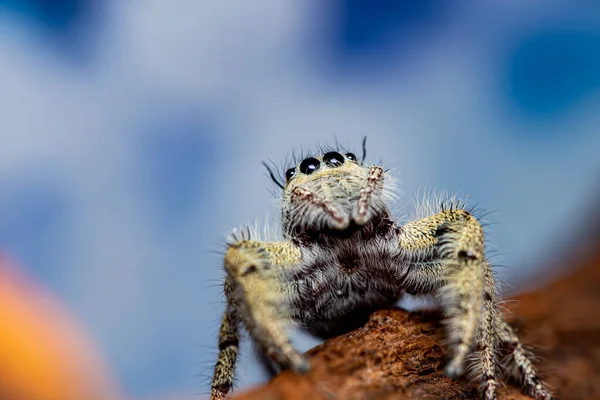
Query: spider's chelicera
(342, 256)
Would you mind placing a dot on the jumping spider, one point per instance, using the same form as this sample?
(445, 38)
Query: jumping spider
(342, 256)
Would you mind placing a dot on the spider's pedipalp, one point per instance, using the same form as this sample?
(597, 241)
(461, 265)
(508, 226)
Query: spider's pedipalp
(363, 205)
(313, 203)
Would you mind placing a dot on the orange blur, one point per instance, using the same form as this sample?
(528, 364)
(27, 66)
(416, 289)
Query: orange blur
(43, 354)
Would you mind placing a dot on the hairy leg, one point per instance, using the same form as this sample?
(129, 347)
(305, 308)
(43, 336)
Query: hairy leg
(228, 349)
(446, 257)
(484, 367)
(255, 297)
(519, 362)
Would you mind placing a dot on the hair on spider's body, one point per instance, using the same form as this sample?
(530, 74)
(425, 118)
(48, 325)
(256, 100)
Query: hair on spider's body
(341, 255)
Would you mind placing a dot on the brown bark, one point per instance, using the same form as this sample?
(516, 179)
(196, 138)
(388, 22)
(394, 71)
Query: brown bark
(398, 355)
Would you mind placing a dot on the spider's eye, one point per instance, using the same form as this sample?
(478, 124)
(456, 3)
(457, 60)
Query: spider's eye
(333, 159)
(351, 156)
(309, 166)
(289, 174)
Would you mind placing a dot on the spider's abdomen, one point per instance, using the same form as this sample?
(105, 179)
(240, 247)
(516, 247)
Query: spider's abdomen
(343, 280)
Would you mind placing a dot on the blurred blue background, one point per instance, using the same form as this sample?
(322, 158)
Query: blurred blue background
(131, 135)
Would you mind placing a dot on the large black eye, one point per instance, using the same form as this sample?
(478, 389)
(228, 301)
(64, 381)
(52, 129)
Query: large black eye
(289, 174)
(333, 159)
(309, 166)
(351, 156)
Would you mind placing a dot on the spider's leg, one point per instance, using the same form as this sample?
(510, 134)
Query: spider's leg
(256, 297)
(445, 253)
(486, 341)
(519, 363)
(228, 349)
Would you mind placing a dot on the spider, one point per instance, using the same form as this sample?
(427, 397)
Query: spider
(342, 256)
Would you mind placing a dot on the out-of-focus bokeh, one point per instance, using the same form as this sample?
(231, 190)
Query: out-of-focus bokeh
(43, 354)
(131, 135)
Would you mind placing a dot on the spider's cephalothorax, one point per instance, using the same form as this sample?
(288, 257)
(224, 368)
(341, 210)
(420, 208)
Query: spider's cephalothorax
(342, 256)
(331, 192)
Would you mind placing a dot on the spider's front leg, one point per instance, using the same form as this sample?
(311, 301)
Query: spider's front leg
(256, 297)
(445, 253)
(449, 249)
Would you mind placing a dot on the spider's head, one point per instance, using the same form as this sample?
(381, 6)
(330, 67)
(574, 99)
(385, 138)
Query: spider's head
(332, 191)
